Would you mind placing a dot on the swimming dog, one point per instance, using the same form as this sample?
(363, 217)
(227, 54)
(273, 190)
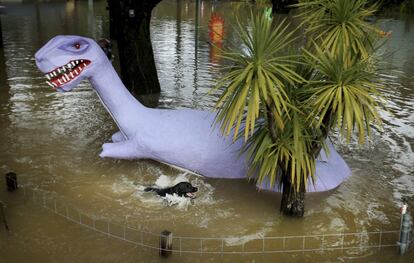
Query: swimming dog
(181, 189)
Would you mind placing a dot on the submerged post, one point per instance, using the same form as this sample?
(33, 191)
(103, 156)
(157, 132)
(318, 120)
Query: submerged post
(405, 230)
(3, 216)
(166, 239)
(11, 181)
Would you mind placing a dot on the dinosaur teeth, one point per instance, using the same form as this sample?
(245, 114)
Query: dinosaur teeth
(65, 74)
(50, 84)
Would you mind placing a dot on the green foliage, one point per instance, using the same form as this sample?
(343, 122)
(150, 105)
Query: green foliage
(288, 153)
(285, 101)
(257, 77)
(347, 91)
(340, 25)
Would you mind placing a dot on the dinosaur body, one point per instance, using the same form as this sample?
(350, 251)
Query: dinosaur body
(185, 138)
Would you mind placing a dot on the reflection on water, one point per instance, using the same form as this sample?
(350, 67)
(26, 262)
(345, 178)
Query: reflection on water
(52, 141)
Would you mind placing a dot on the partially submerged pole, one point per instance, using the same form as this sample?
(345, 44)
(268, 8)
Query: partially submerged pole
(11, 181)
(3, 216)
(166, 238)
(405, 230)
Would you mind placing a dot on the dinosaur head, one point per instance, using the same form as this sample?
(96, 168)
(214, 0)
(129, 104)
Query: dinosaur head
(67, 60)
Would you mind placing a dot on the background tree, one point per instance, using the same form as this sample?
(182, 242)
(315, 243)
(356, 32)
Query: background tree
(285, 103)
(1, 33)
(130, 26)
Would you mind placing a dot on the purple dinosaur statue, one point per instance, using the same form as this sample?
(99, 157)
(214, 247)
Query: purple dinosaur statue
(184, 138)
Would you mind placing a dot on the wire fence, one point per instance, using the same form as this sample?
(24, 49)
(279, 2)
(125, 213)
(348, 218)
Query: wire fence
(360, 241)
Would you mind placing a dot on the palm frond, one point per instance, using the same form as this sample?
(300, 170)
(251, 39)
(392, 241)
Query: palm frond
(347, 91)
(340, 25)
(289, 155)
(260, 69)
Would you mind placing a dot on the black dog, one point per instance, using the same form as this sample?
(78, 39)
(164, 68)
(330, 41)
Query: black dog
(181, 189)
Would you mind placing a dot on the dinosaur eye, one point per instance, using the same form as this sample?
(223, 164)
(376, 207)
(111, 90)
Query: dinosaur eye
(77, 46)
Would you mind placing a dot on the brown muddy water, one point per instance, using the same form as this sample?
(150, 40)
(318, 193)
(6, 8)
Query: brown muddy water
(52, 141)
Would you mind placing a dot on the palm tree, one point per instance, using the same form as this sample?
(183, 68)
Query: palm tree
(285, 102)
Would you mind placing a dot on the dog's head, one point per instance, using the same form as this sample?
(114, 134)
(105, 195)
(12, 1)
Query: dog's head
(184, 189)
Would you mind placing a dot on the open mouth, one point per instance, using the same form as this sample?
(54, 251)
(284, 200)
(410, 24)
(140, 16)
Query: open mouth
(65, 74)
(190, 195)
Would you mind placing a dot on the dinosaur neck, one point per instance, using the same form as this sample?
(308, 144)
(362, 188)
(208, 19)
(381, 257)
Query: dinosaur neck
(123, 107)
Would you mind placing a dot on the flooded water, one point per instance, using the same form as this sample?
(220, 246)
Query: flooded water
(52, 141)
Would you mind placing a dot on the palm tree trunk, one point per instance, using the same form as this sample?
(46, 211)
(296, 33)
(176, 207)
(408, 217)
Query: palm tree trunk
(327, 123)
(293, 202)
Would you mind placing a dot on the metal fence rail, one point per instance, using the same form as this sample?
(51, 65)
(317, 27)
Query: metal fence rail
(215, 245)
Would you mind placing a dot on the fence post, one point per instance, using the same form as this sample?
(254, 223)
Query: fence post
(107, 229)
(166, 239)
(263, 244)
(323, 243)
(380, 240)
(404, 234)
(405, 229)
(303, 244)
(11, 181)
(3, 216)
